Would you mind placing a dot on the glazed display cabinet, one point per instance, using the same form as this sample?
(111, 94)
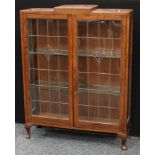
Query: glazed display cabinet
(77, 68)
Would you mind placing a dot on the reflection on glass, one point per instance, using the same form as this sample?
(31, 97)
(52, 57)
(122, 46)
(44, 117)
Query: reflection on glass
(99, 44)
(48, 55)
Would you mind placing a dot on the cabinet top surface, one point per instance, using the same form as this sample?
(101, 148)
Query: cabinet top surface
(77, 9)
(86, 7)
(74, 8)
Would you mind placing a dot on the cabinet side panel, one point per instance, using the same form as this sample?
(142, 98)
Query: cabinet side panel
(130, 66)
(27, 106)
(126, 71)
(124, 74)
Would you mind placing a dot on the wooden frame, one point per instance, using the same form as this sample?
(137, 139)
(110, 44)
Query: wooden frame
(30, 119)
(72, 16)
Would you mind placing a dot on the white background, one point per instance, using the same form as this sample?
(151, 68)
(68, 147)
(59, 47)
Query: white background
(147, 77)
(7, 77)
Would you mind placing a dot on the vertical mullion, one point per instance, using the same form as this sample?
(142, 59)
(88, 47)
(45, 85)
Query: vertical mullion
(109, 74)
(31, 62)
(38, 65)
(98, 65)
(58, 64)
(48, 59)
(75, 69)
(87, 68)
(70, 71)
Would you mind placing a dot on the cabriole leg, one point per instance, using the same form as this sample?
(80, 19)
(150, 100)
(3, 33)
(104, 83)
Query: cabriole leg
(124, 146)
(28, 132)
(27, 135)
(123, 139)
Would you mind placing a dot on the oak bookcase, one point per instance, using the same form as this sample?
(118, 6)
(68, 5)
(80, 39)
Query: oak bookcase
(77, 68)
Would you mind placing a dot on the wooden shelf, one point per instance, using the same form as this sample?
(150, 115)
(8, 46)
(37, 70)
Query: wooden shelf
(53, 115)
(98, 120)
(96, 89)
(102, 90)
(103, 53)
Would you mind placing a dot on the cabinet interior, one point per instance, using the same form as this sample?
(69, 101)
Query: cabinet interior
(98, 45)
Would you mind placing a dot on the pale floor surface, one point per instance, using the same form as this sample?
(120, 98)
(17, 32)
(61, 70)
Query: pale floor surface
(48, 141)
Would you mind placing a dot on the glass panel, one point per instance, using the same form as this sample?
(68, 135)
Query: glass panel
(99, 44)
(48, 56)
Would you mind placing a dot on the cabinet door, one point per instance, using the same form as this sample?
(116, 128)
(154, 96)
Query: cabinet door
(48, 49)
(98, 64)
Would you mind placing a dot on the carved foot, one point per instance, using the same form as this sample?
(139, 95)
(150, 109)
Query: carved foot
(123, 139)
(27, 135)
(124, 146)
(28, 132)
